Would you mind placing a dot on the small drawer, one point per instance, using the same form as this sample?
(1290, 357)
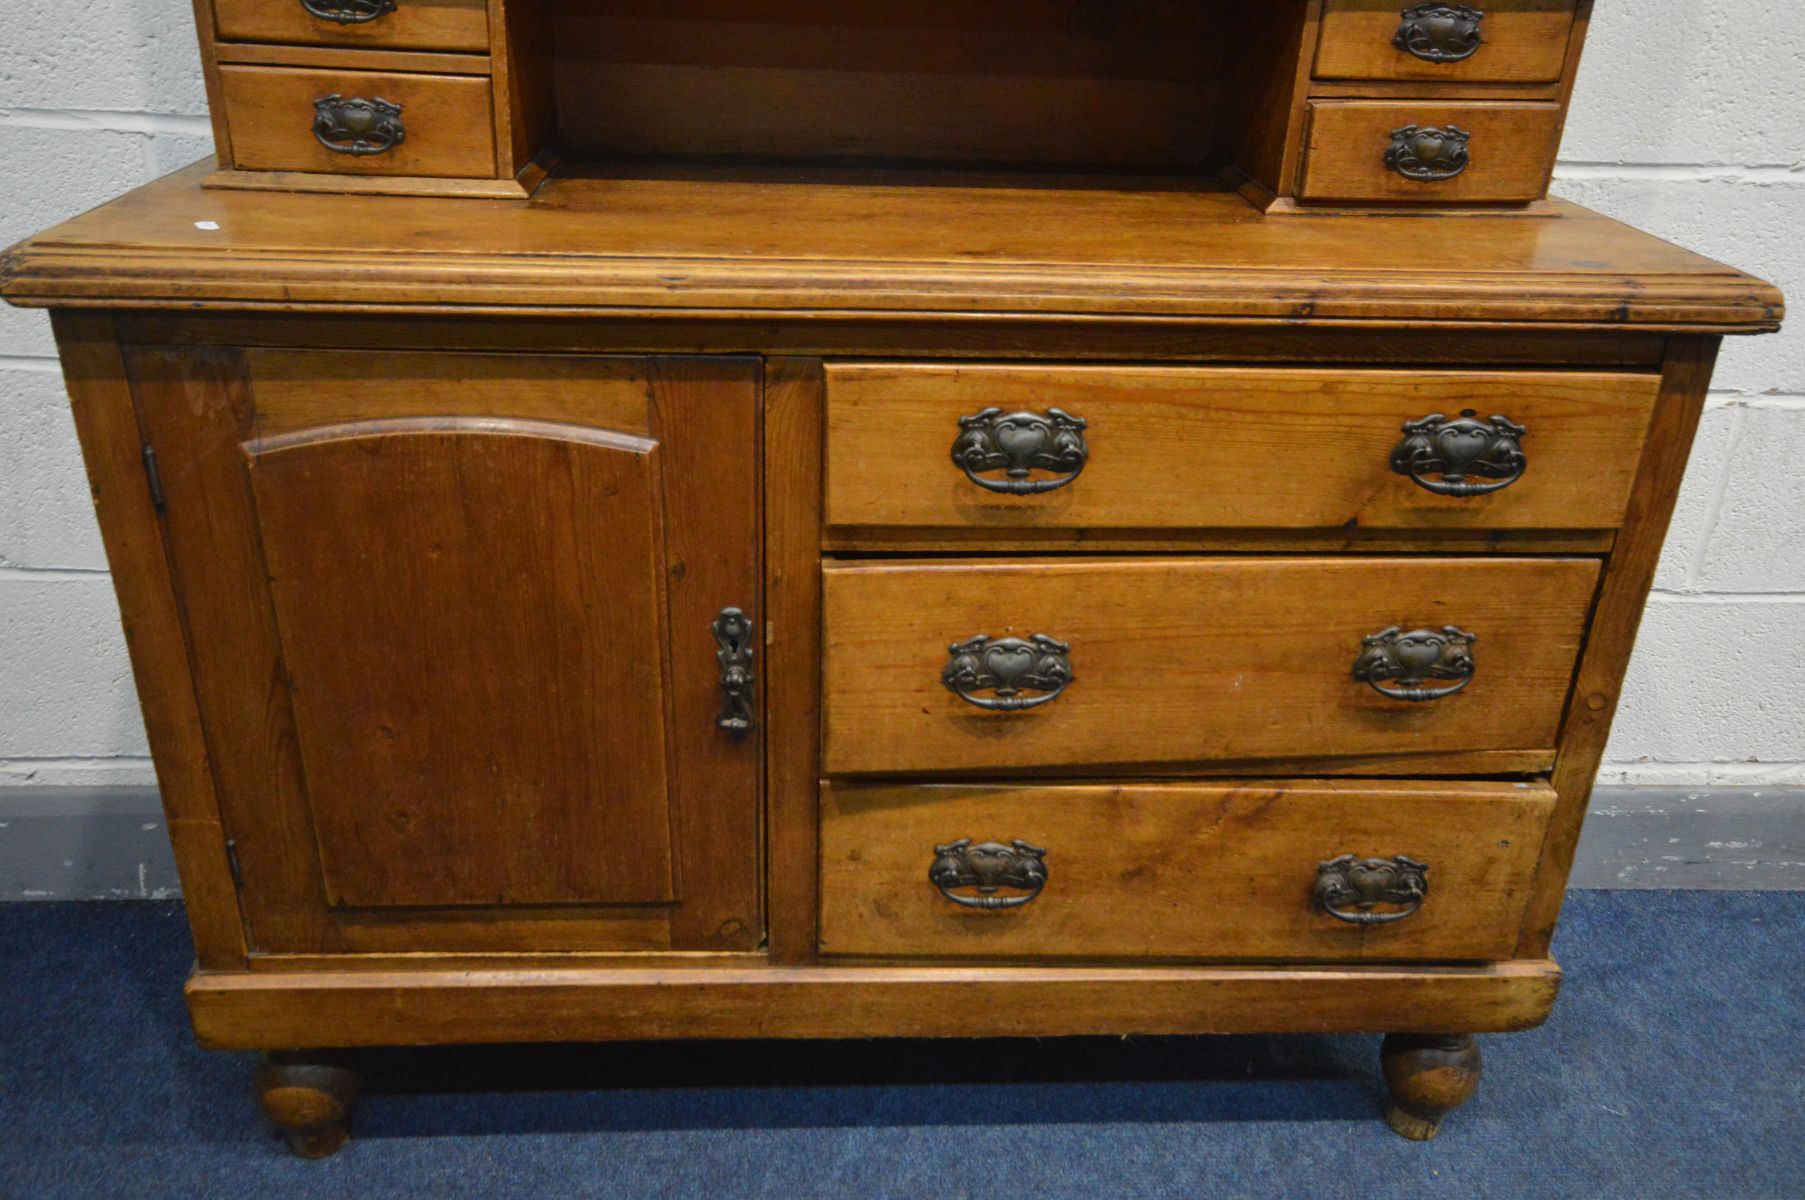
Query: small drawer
(1172, 663)
(1429, 152)
(1258, 869)
(377, 24)
(916, 450)
(284, 119)
(1488, 41)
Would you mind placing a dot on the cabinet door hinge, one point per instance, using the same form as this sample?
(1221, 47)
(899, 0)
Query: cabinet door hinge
(155, 478)
(232, 863)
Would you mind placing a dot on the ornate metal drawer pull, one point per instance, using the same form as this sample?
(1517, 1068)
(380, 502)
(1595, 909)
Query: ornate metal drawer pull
(1428, 153)
(1017, 444)
(1412, 659)
(357, 125)
(1350, 889)
(1440, 33)
(348, 12)
(1007, 666)
(1459, 449)
(989, 867)
(733, 636)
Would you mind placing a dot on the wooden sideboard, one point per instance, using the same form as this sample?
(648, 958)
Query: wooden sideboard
(1012, 559)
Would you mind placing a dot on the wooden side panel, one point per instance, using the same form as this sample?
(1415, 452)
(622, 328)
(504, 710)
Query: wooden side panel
(447, 117)
(1131, 82)
(1194, 871)
(1186, 661)
(413, 25)
(1622, 598)
(1512, 151)
(1524, 41)
(472, 619)
(1176, 448)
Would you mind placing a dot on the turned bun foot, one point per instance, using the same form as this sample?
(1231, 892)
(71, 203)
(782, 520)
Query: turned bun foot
(307, 1095)
(1429, 1076)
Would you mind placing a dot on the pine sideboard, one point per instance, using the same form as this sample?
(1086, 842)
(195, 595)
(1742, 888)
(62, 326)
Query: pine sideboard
(720, 520)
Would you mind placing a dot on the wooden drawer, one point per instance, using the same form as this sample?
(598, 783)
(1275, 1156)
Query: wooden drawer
(412, 25)
(1177, 448)
(1188, 662)
(1177, 871)
(446, 119)
(1348, 154)
(1513, 41)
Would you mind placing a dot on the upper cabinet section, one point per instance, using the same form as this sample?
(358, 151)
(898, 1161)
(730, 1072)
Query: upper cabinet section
(1191, 90)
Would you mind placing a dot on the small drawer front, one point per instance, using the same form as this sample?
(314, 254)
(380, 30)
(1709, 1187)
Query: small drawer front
(359, 122)
(1488, 41)
(914, 449)
(384, 24)
(1162, 664)
(1261, 869)
(1429, 152)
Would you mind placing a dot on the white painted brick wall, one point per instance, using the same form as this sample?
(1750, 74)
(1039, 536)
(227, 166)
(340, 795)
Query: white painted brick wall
(1684, 123)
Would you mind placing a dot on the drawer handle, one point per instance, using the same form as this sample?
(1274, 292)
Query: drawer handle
(1017, 444)
(1350, 889)
(733, 641)
(1457, 450)
(1440, 33)
(357, 125)
(1412, 659)
(1007, 667)
(988, 868)
(348, 12)
(1428, 153)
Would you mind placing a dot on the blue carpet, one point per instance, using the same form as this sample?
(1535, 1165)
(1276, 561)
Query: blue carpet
(1674, 1066)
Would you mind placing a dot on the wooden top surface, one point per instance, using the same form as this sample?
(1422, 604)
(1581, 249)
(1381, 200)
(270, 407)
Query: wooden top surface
(764, 242)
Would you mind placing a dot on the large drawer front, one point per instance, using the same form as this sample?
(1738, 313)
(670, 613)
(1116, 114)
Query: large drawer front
(446, 122)
(1187, 448)
(1429, 152)
(401, 25)
(1495, 41)
(1179, 871)
(1179, 662)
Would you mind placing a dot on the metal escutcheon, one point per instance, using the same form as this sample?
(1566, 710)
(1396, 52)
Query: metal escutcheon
(1440, 33)
(1018, 444)
(1001, 876)
(348, 12)
(733, 651)
(1450, 456)
(1371, 891)
(1019, 674)
(1400, 665)
(357, 125)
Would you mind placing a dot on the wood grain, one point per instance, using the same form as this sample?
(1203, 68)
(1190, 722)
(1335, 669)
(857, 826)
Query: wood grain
(1512, 151)
(414, 25)
(1181, 871)
(270, 110)
(873, 244)
(1525, 41)
(433, 1008)
(1175, 449)
(1185, 661)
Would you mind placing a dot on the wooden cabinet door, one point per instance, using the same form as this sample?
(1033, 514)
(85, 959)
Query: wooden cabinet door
(450, 618)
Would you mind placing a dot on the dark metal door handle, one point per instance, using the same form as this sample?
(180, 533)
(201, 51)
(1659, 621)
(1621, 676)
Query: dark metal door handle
(1018, 444)
(348, 12)
(1353, 889)
(1446, 455)
(1410, 660)
(1428, 153)
(733, 642)
(1019, 674)
(357, 125)
(1440, 33)
(1001, 876)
